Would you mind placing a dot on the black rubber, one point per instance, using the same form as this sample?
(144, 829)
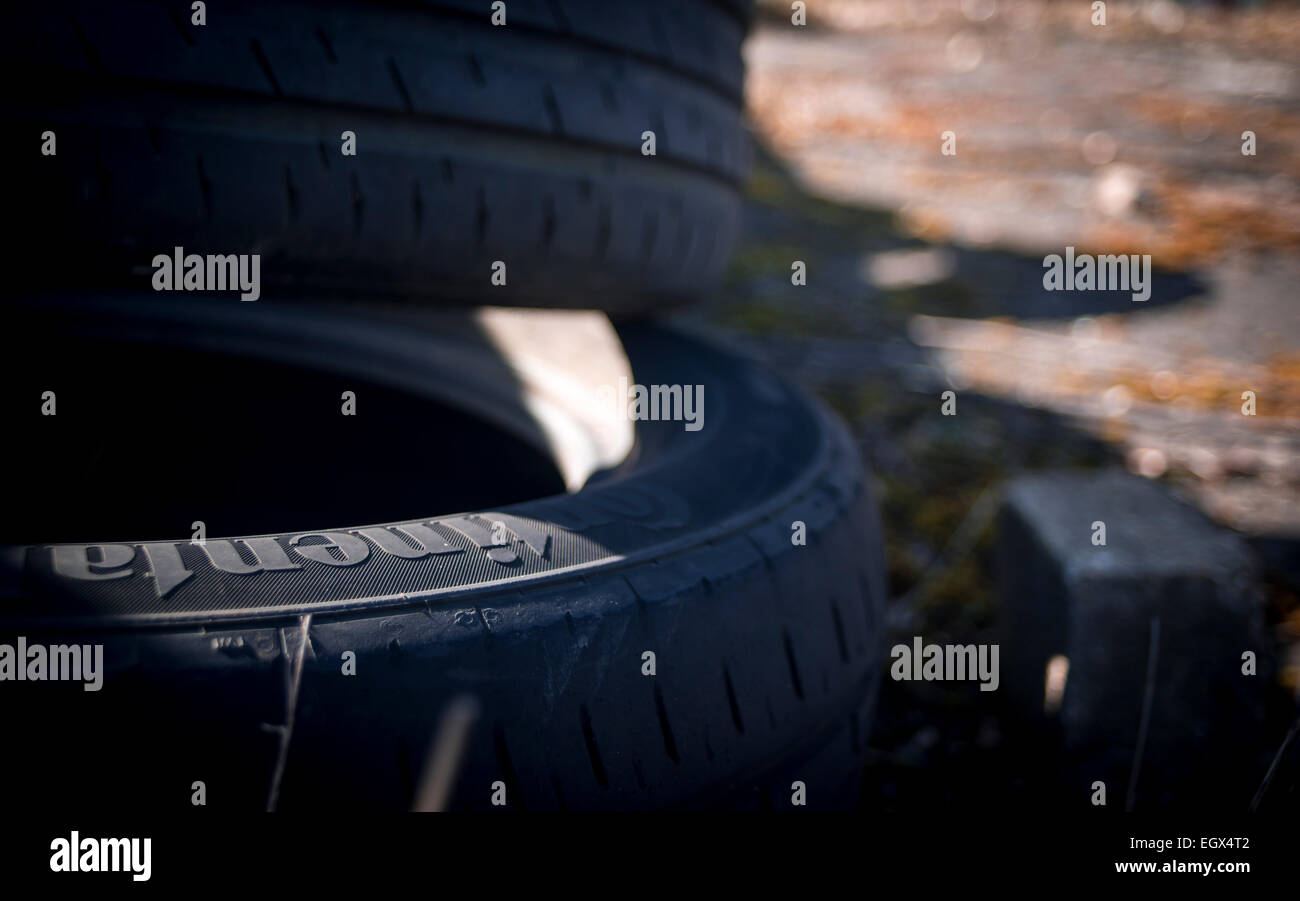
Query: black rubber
(475, 143)
(768, 654)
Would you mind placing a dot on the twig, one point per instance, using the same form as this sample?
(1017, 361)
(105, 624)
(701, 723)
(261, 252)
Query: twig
(1148, 696)
(443, 762)
(1272, 768)
(902, 613)
(293, 675)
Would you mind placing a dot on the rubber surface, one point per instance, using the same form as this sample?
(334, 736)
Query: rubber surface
(474, 143)
(768, 654)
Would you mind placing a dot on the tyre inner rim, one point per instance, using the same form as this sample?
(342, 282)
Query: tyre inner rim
(725, 489)
(254, 436)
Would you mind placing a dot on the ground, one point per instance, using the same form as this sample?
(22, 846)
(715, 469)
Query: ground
(924, 274)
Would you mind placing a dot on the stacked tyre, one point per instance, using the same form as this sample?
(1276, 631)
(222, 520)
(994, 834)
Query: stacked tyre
(244, 505)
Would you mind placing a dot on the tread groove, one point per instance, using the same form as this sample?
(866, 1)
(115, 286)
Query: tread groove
(593, 752)
(604, 231)
(839, 632)
(608, 97)
(867, 598)
(507, 767)
(736, 719)
(670, 743)
(205, 189)
(265, 65)
(559, 792)
(548, 221)
(326, 46)
(561, 17)
(476, 71)
(417, 208)
(649, 232)
(358, 204)
(175, 16)
(795, 681)
(83, 39)
(552, 110)
(657, 33)
(480, 218)
(291, 193)
(398, 83)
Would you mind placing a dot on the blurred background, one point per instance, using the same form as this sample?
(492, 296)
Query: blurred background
(924, 274)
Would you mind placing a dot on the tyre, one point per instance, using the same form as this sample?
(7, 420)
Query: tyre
(224, 662)
(474, 144)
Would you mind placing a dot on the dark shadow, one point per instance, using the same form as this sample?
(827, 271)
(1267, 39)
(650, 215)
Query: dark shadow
(835, 239)
(1013, 284)
(151, 435)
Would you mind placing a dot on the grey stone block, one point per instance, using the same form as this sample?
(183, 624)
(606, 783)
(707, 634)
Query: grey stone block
(1095, 605)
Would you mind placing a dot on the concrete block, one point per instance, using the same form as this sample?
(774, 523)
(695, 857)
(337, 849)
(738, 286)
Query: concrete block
(1164, 568)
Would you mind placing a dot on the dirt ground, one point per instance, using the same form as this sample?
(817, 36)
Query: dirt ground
(924, 273)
